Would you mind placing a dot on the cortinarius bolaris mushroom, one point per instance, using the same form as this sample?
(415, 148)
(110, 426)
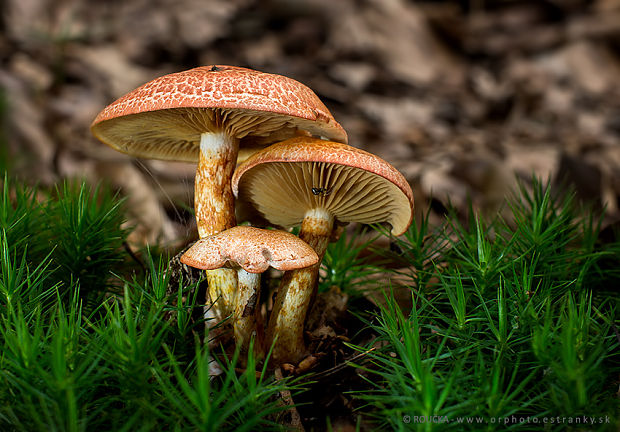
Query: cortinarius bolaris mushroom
(202, 115)
(315, 183)
(250, 251)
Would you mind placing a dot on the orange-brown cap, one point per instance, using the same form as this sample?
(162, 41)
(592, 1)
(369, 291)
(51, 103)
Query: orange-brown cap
(252, 249)
(286, 180)
(164, 118)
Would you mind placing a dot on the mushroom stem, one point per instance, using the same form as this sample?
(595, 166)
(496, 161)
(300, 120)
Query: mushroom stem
(215, 208)
(296, 290)
(213, 198)
(221, 285)
(245, 320)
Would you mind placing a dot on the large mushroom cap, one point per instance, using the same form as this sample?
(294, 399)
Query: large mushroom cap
(164, 118)
(252, 249)
(286, 180)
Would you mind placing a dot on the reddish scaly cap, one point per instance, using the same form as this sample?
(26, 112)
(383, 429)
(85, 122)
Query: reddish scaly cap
(307, 149)
(226, 87)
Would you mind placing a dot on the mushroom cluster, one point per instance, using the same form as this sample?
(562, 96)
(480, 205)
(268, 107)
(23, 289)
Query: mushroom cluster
(300, 172)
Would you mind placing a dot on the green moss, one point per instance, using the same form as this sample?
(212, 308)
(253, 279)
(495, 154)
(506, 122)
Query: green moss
(511, 320)
(514, 328)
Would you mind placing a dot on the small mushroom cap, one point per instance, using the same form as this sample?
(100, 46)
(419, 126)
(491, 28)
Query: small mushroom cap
(164, 118)
(253, 249)
(284, 181)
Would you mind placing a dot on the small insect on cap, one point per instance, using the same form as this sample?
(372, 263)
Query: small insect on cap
(286, 180)
(252, 249)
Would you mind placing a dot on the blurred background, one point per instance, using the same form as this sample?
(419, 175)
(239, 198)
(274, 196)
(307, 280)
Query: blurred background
(464, 97)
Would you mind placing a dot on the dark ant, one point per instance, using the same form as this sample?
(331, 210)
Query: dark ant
(321, 191)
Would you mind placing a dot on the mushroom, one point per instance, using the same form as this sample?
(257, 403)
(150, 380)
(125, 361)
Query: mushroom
(203, 115)
(250, 251)
(317, 183)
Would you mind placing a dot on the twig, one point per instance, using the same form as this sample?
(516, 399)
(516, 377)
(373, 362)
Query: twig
(286, 399)
(134, 256)
(342, 365)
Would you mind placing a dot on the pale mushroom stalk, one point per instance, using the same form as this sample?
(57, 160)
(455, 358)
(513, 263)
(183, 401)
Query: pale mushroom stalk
(296, 290)
(214, 204)
(246, 318)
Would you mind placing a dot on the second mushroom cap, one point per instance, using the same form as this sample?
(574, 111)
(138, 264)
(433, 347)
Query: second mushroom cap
(286, 180)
